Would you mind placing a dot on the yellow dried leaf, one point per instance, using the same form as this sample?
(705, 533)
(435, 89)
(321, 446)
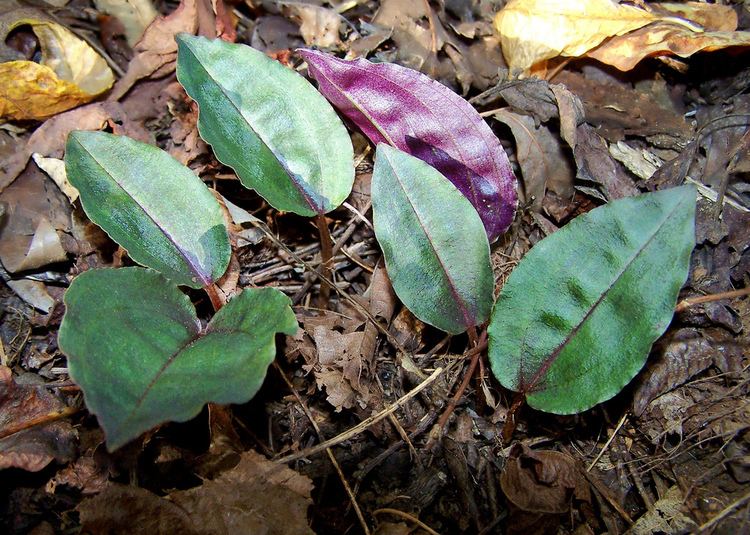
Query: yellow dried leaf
(625, 52)
(70, 73)
(535, 30)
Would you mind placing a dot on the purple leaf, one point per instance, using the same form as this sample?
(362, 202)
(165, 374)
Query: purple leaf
(406, 109)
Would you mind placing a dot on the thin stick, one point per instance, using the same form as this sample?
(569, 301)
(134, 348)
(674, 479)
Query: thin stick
(331, 456)
(728, 510)
(326, 254)
(405, 516)
(691, 301)
(475, 353)
(607, 444)
(39, 420)
(357, 305)
(364, 424)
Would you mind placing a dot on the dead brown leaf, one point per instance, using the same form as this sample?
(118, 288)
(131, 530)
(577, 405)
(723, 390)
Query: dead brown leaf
(619, 110)
(36, 212)
(123, 510)
(535, 30)
(69, 73)
(543, 481)
(544, 164)
(596, 164)
(319, 25)
(35, 447)
(718, 23)
(685, 354)
(156, 52)
(256, 496)
(49, 139)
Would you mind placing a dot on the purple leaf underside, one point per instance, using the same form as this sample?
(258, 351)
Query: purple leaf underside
(406, 109)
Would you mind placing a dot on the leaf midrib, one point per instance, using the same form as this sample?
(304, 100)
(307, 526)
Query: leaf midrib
(313, 206)
(451, 284)
(552, 357)
(193, 268)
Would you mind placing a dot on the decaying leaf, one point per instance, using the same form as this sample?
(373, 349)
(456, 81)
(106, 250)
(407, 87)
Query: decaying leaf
(34, 293)
(668, 515)
(540, 154)
(49, 139)
(34, 448)
(319, 26)
(685, 354)
(135, 15)
(255, 497)
(70, 72)
(156, 52)
(543, 481)
(535, 30)
(55, 169)
(36, 212)
(716, 31)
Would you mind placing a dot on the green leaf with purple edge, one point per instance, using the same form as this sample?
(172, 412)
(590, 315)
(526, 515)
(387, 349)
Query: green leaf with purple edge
(406, 109)
(139, 353)
(435, 247)
(576, 319)
(269, 124)
(151, 204)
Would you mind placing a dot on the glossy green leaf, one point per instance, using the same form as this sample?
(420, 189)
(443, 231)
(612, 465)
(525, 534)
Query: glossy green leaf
(576, 319)
(269, 124)
(433, 241)
(151, 204)
(136, 348)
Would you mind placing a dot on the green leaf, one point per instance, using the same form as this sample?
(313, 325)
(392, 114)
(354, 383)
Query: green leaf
(433, 241)
(136, 348)
(269, 124)
(576, 319)
(151, 204)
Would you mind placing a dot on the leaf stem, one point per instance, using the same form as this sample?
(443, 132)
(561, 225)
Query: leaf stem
(213, 294)
(510, 420)
(326, 254)
(475, 353)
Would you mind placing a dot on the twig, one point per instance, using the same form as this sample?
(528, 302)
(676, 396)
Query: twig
(474, 353)
(39, 420)
(364, 424)
(331, 456)
(607, 444)
(326, 254)
(691, 301)
(728, 510)
(357, 305)
(405, 516)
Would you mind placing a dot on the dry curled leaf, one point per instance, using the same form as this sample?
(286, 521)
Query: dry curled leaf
(70, 72)
(535, 30)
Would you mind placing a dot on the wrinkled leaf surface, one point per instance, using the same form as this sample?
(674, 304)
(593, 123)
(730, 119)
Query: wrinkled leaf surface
(136, 348)
(408, 110)
(576, 319)
(151, 204)
(435, 247)
(269, 124)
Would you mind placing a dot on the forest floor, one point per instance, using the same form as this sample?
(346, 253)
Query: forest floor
(416, 430)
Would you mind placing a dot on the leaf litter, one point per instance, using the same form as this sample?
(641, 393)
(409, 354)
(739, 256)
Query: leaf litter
(668, 453)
